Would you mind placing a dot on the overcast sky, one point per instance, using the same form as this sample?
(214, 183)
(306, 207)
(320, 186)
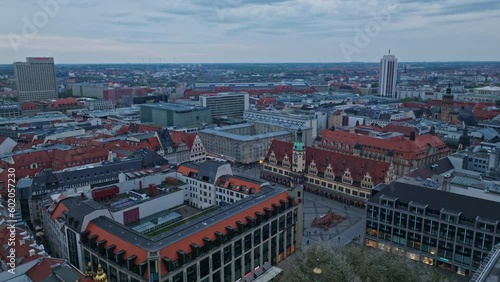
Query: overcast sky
(189, 31)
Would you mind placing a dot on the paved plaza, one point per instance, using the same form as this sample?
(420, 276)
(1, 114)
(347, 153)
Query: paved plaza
(343, 233)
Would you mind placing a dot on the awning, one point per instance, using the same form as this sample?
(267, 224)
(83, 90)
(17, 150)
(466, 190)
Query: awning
(269, 274)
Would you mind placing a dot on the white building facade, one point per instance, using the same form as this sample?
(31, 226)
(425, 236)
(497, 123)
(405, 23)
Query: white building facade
(388, 76)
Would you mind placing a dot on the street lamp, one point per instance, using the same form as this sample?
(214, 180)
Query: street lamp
(317, 271)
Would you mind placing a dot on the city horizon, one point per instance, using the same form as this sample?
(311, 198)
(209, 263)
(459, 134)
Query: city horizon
(250, 63)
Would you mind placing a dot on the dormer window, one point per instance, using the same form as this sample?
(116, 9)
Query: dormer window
(312, 168)
(329, 172)
(286, 161)
(347, 177)
(367, 181)
(272, 158)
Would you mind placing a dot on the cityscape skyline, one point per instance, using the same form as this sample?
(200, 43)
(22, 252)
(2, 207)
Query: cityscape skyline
(227, 31)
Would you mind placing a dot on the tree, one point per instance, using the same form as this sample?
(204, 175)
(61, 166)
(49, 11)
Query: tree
(357, 263)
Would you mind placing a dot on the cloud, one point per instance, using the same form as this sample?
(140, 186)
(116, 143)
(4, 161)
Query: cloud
(226, 30)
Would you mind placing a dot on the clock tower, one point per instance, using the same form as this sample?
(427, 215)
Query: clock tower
(299, 154)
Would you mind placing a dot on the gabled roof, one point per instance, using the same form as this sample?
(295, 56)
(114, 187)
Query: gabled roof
(239, 184)
(357, 166)
(206, 169)
(183, 137)
(74, 210)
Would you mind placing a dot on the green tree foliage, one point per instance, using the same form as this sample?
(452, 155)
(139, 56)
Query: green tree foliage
(357, 264)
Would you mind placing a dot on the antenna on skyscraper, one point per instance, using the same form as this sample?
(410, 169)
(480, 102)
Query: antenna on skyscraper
(389, 51)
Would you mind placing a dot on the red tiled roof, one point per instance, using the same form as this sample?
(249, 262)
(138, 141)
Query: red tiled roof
(358, 166)
(392, 127)
(239, 182)
(65, 102)
(30, 106)
(22, 250)
(484, 114)
(183, 137)
(43, 269)
(58, 212)
(123, 130)
(415, 105)
(184, 170)
(399, 145)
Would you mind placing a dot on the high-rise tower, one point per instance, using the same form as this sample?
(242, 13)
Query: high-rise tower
(36, 79)
(388, 76)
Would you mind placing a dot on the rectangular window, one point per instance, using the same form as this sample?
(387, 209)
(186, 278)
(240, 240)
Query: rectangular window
(227, 254)
(237, 248)
(216, 260)
(248, 242)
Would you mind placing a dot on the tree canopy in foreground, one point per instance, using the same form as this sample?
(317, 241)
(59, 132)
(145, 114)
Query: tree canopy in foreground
(356, 264)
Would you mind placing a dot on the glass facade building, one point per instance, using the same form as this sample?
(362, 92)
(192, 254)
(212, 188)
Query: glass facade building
(447, 230)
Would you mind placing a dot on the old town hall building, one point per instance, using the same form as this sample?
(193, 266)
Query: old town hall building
(342, 177)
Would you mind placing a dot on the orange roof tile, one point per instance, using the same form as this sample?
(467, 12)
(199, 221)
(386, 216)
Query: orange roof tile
(120, 244)
(197, 238)
(184, 170)
(239, 182)
(58, 212)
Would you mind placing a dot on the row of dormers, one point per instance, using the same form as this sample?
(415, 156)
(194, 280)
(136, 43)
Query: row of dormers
(129, 262)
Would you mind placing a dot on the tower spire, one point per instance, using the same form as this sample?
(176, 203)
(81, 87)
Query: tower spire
(299, 143)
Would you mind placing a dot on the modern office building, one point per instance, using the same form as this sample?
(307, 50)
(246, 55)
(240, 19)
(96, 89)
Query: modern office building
(242, 143)
(36, 79)
(279, 120)
(175, 115)
(254, 88)
(234, 242)
(254, 227)
(88, 90)
(388, 76)
(448, 230)
(10, 110)
(230, 105)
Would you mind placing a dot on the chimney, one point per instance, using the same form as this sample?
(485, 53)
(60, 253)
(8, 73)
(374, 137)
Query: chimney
(413, 135)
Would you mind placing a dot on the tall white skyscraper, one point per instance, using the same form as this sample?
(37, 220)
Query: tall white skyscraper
(36, 79)
(388, 76)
